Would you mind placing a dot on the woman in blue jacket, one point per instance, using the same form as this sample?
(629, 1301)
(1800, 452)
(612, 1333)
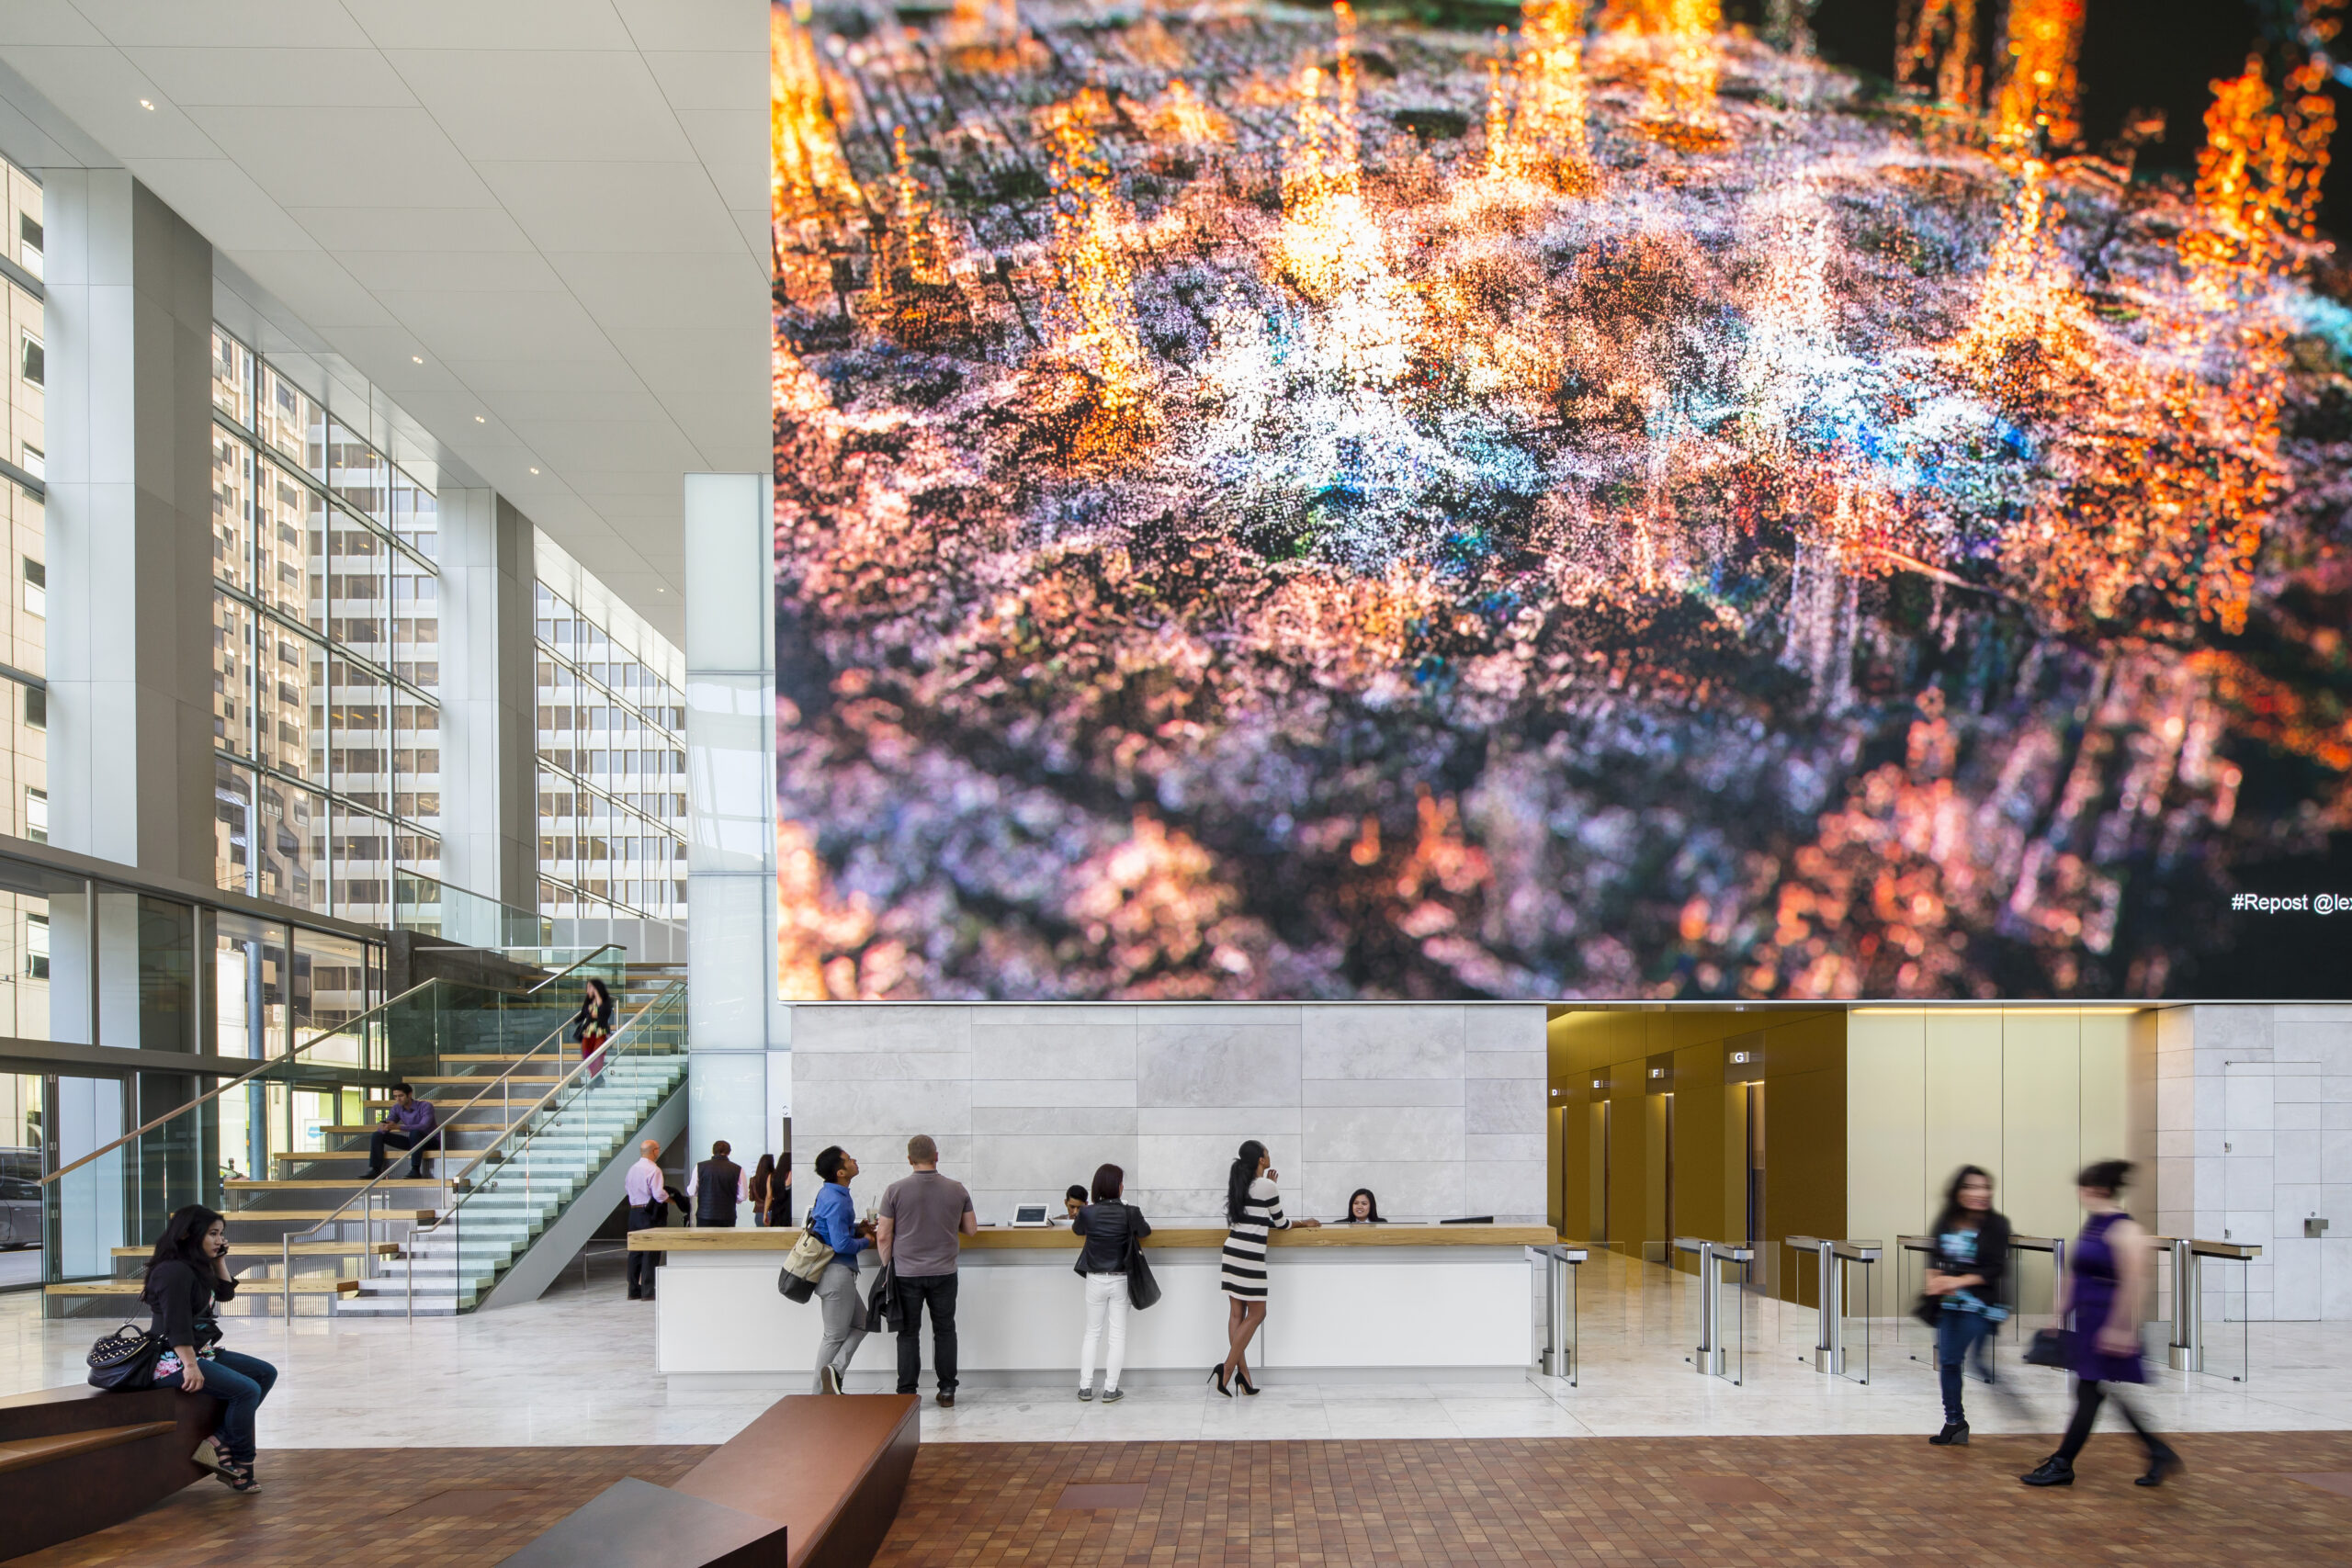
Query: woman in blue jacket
(833, 1217)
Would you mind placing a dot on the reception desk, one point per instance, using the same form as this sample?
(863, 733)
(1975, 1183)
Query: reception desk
(1375, 1301)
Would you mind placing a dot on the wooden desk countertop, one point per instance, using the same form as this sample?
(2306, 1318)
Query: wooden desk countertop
(1003, 1238)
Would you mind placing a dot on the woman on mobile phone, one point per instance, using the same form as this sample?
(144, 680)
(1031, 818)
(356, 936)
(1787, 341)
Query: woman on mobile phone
(187, 1274)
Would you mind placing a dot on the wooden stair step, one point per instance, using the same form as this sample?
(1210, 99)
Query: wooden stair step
(301, 1184)
(259, 1216)
(304, 1285)
(301, 1249)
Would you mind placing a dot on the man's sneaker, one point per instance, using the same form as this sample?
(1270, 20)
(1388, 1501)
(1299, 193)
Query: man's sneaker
(1111, 1397)
(1954, 1434)
(1086, 1393)
(829, 1380)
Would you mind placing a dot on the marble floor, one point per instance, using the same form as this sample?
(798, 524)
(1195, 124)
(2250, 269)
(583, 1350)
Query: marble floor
(576, 1367)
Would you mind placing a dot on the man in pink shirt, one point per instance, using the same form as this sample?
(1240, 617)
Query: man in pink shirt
(649, 1199)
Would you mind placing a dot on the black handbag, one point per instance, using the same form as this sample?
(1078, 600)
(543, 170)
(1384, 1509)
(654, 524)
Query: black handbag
(1142, 1289)
(124, 1362)
(2051, 1348)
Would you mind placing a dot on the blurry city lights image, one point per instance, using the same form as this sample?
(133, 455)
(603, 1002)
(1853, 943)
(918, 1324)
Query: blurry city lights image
(1592, 500)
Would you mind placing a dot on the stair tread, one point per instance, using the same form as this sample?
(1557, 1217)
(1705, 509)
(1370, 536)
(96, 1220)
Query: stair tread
(304, 1285)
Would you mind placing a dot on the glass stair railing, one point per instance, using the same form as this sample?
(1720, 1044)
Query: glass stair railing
(513, 1191)
(313, 1107)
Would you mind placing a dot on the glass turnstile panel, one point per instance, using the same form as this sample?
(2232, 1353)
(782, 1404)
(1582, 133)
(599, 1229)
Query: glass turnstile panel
(1730, 1287)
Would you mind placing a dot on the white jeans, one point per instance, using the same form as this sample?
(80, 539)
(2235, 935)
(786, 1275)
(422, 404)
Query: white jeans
(1106, 1297)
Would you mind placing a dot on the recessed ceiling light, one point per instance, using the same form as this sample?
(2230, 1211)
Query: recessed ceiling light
(147, 104)
(535, 470)
(478, 419)
(417, 359)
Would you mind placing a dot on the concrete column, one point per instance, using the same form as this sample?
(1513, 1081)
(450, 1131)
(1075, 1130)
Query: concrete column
(129, 520)
(489, 800)
(737, 1029)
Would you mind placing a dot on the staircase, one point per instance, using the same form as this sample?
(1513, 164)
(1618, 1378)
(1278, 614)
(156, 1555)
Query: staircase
(550, 1160)
(524, 1166)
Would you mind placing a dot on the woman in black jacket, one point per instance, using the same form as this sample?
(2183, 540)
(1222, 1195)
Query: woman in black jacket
(591, 1026)
(1968, 1276)
(189, 1272)
(1107, 1224)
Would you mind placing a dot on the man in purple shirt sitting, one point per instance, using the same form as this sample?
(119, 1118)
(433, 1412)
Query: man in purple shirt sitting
(408, 1125)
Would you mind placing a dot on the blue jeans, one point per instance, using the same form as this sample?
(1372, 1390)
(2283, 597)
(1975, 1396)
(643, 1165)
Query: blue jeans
(241, 1383)
(1958, 1334)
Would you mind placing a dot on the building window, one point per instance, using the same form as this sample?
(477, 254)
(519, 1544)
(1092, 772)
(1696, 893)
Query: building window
(37, 947)
(610, 723)
(325, 718)
(35, 587)
(37, 816)
(36, 462)
(36, 707)
(33, 363)
(28, 242)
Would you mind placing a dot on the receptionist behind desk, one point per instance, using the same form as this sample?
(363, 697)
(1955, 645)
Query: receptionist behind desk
(1072, 1202)
(1364, 1209)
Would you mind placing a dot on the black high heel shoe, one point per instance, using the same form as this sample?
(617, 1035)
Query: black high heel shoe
(1241, 1376)
(1217, 1376)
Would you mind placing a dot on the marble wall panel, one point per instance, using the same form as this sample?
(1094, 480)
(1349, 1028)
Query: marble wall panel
(1418, 1134)
(1381, 1040)
(880, 1026)
(1504, 1105)
(1217, 1056)
(1410, 1096)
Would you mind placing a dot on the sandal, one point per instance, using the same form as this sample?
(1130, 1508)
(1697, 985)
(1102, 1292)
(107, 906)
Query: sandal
(237, 1477)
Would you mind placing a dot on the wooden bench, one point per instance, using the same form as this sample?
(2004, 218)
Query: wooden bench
(76, 1460)
(814, 1483)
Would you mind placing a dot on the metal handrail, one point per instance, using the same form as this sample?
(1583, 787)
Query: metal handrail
(440, 1130)
(482, 1156)
(530, 1113)
(323, 1035)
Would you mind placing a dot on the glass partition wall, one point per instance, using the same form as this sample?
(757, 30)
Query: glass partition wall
(179, 995)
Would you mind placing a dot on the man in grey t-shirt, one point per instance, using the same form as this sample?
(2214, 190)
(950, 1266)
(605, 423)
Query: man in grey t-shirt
(921, 1218)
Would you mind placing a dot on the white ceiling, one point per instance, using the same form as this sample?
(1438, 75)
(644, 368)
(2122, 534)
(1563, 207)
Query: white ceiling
(559, 207)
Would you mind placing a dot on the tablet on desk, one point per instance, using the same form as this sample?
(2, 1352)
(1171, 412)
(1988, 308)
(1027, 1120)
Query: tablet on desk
(1029, 1216)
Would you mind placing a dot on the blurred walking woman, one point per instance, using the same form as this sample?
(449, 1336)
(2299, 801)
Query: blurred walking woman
(2107, 1280)
(1967, 1275)
(1252, 1209)
(188, 1273)
(593, 1025)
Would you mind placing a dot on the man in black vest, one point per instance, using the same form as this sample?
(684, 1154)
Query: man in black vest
(717, 1186)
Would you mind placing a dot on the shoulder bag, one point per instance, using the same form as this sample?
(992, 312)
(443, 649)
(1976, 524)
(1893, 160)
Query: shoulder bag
(796, 1280)
(2051, 1348)
(1142, 1289)
(124, 1362)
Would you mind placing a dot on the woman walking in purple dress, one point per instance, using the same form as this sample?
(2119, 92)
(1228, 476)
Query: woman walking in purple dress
(2107, 1280)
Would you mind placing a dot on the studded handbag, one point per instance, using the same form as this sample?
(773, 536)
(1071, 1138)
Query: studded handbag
(124, 1362)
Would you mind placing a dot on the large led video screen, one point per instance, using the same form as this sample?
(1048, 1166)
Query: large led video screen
(1564, 502)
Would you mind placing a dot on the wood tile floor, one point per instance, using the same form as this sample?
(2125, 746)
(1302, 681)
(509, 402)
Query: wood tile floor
(1618, 1502)
(357, 1507)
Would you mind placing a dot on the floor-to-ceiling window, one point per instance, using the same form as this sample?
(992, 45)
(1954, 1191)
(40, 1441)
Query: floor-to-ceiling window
(24, 471)
(612, 758)
(326, 648)
(24, 602)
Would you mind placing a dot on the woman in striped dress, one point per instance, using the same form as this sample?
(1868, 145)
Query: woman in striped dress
(1252, 1208)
